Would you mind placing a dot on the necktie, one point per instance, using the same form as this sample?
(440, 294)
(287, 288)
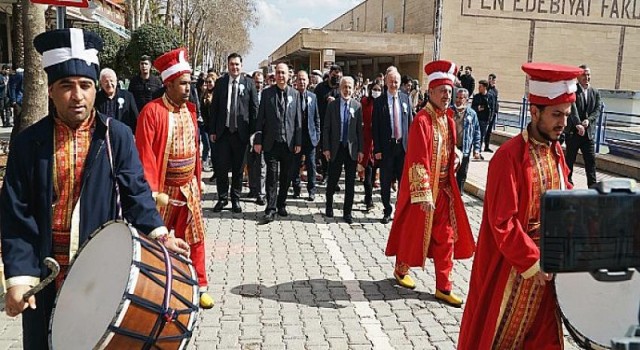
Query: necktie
(345, 124)
(233, 123)
(397, 128)
(303, 103)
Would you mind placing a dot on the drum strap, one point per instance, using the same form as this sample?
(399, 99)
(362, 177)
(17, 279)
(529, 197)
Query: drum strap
(113, 171)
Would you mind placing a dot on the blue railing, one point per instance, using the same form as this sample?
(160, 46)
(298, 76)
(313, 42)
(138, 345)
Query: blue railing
(614, 129)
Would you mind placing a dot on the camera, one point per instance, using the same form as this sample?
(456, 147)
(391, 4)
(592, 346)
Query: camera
(591, 240)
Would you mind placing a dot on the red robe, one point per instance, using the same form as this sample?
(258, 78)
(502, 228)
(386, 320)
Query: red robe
(412, 226)
(151, 140)
(507, 256)
(367, 111)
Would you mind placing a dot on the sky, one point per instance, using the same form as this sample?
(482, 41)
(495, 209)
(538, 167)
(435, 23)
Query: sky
(281, 19)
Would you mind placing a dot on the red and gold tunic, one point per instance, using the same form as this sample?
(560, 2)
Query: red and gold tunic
(71, 147)
(505, 308)
(427, 162)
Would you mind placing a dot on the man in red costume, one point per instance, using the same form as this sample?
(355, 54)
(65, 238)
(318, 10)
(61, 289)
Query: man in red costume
(167, 140)
(430, 217)
(511, 303)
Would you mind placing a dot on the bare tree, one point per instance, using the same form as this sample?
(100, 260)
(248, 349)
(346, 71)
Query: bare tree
(35, 103)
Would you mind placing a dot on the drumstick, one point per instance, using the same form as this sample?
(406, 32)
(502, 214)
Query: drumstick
(55, 270)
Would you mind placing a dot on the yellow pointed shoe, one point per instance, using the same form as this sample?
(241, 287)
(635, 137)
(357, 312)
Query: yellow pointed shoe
(206, 301)
(450, 298)
(405, 281)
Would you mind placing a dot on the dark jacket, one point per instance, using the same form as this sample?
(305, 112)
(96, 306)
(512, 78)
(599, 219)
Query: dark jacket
(381, 121)
(482, 105)
(333, 128)
(27, 195)
(268, 124)
(313, 118)
(247, 107)
(127, 111)
(143, 90)
(590, 111)
(468, 82)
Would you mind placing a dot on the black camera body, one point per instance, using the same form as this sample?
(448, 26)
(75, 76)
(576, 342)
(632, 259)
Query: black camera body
(595, 231)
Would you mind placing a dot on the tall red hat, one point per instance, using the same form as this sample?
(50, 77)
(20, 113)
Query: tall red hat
(551, 84)
(440, 73)
(172, 64)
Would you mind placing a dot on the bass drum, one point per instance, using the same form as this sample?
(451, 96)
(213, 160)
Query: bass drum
(598, 307)
(124, 291)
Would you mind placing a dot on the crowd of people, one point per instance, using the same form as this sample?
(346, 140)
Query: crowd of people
(139, 155)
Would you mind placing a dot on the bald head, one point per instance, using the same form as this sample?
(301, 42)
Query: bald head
(282, 75)
(108, 81)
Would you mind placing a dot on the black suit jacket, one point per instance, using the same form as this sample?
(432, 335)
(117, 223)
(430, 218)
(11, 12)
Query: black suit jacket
(127, 111)
(268, 123)
(582, 111)
(247, 107)
(333, 127)
(381, 122)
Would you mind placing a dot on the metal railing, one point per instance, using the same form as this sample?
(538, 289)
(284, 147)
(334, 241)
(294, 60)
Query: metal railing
(620, 131)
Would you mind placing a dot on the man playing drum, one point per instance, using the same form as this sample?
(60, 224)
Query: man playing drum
(168, 141)
(60, 182)
(511, 304)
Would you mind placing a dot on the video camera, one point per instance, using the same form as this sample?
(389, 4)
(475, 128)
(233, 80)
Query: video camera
(591, 240)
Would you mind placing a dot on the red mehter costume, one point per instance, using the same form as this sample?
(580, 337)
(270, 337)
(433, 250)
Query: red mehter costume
(168, 142)
(505, 308)
(428, 178)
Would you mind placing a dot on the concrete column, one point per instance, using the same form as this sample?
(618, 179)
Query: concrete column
(315, 60)
(376, 68)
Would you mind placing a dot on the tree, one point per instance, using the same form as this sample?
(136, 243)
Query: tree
(113, 43)
(17, 35)
(152, 40)
(35, 105)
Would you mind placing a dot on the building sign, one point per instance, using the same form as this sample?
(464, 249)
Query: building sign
(609, 12)
(69, 3)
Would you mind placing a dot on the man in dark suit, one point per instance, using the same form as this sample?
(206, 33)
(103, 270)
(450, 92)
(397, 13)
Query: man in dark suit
(116, 103)
(581, 127)
(326, 92)
(278, 133)
(392, 116)
(343, 144)
(234, 105)
(310, 137)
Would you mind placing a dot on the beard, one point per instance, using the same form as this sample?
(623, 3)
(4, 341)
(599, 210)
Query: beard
(545, 135)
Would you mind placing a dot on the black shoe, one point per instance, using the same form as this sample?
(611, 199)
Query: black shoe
(212, 178)
(235, 207)
(311, 198)
(369, 206)
(282, 211)
(385, 219)
(348, 219)
(268, 217)
(488, 150)
(260, 200)
(338, 189)
(220, 205)
(296, 192)
(251, 194)
(329, 212)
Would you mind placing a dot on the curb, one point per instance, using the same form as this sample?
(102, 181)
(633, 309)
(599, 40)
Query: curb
(474, 189)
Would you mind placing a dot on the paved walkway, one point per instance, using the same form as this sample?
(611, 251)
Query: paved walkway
(309, 282)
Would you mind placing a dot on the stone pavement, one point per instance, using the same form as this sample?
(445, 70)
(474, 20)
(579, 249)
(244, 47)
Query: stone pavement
(309, 282)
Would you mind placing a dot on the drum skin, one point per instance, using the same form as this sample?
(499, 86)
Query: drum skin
(138, 322)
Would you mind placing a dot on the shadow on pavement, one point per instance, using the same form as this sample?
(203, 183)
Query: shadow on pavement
(323, 293)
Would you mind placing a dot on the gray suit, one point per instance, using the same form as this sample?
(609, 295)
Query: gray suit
(342, 153)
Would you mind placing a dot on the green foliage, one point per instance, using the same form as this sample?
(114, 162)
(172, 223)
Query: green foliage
(113, 43)
(152, 40)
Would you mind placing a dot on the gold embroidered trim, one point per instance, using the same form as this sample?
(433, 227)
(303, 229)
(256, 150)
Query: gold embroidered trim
(419, 184)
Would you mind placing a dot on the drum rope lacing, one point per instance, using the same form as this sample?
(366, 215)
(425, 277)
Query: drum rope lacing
(165, 313)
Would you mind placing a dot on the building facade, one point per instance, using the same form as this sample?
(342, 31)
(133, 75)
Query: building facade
(492, 36)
